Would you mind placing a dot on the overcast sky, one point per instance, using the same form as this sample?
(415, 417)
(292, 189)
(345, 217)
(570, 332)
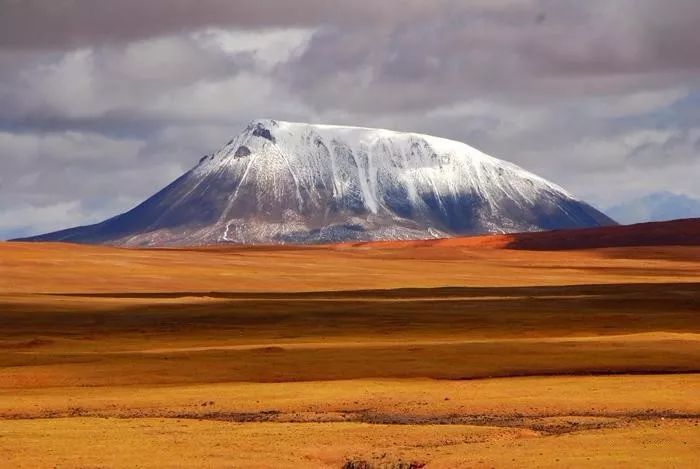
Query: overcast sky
(103, 102)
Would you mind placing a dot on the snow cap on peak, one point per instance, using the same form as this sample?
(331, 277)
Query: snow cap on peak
(262, 128)
(263, 122)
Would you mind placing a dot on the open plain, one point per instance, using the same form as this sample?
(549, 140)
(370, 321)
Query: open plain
(369, 355)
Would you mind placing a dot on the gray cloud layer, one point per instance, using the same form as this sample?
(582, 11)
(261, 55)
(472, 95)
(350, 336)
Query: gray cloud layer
(74, 23)
(104, 101)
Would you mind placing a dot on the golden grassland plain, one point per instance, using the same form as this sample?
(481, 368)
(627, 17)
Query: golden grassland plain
(355, 356)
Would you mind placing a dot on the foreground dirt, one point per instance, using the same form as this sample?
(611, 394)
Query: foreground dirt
(387, 356)
(187, 443)
(543, 422)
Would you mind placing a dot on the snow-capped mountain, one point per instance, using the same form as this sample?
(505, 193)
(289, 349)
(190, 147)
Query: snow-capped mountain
(284, 182)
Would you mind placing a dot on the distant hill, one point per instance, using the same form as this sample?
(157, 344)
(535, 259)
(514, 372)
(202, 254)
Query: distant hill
(659, 206)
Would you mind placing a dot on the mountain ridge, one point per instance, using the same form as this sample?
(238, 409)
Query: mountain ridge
(285, 182)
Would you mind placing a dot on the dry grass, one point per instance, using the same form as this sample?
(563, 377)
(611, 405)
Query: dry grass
(34, 268)
(324, 356)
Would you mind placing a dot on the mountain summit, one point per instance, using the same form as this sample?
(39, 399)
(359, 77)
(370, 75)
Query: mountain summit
(284, 182)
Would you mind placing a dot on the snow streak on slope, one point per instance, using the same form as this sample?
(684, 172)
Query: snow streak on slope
(281, 182)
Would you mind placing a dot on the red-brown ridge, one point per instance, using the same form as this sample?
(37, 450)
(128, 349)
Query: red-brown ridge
(685, 232)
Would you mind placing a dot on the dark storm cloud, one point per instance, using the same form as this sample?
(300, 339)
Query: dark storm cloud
(576, 48)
